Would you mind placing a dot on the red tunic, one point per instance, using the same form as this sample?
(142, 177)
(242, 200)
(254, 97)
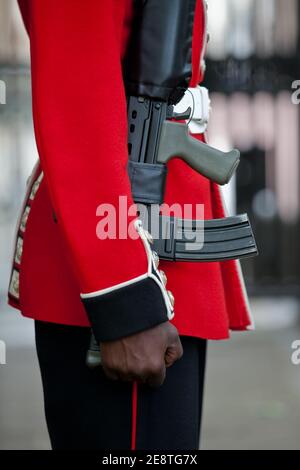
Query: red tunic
(80, 121)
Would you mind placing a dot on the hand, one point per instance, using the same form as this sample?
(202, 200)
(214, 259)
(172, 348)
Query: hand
(143, 356)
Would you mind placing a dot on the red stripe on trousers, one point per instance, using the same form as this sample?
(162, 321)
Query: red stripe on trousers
(134, 415)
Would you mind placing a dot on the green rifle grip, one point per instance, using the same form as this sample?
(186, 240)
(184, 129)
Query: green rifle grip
(175, 141)
(93, 357)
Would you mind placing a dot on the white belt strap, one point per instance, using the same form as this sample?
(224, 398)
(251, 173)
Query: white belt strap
(198, 100)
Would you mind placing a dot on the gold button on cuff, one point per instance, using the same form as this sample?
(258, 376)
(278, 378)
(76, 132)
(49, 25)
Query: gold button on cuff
(155, 259)
(149, 237)
(163, 277)
(171, 297)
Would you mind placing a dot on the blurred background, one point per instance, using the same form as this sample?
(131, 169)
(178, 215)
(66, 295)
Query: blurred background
(252, 397)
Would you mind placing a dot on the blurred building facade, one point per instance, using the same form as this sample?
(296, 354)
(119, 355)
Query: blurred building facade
(252, 63)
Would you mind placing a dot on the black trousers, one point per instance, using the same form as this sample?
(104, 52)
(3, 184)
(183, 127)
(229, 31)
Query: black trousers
(87, 411)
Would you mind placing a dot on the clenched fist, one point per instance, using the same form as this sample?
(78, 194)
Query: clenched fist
(143, 356)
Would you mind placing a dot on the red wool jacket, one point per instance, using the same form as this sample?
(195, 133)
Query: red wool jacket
(80, 121)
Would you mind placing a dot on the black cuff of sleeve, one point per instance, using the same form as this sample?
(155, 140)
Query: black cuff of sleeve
(127, 310)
